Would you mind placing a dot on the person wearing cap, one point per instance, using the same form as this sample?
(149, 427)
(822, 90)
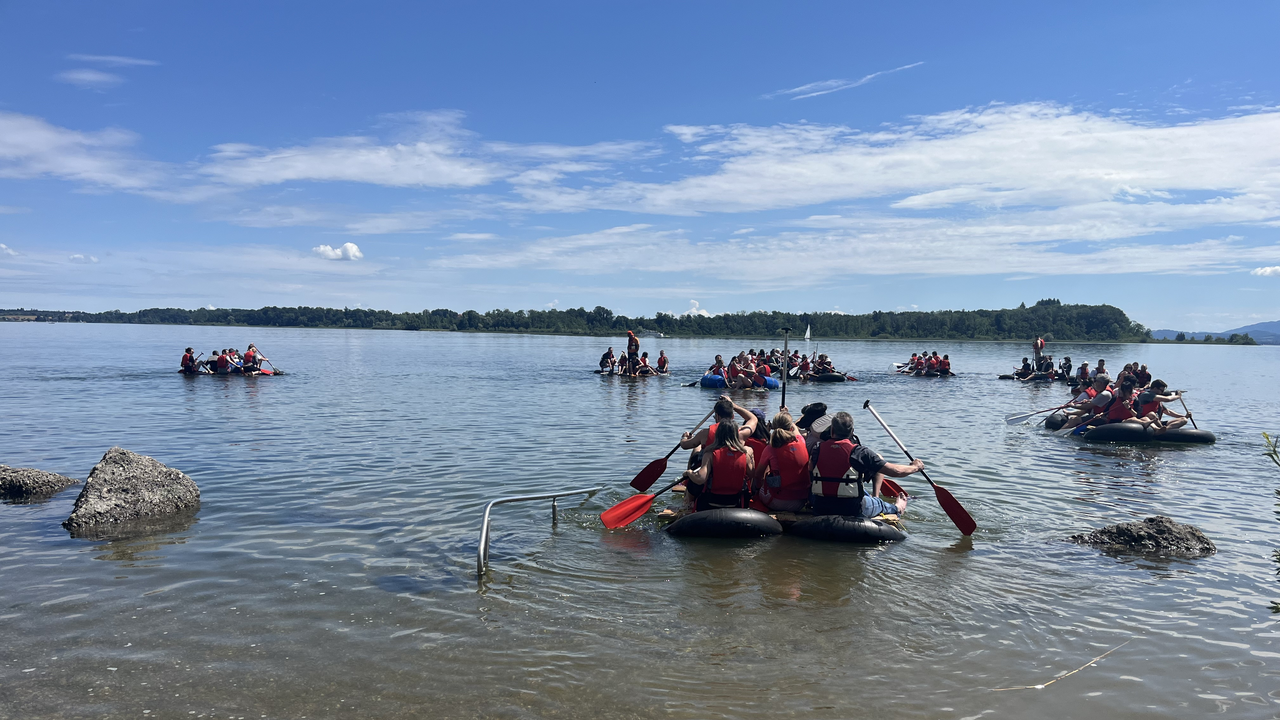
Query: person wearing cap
(189, 361)
(1150, 404)
(1065, 366)
(1083, 374)
(840, 463)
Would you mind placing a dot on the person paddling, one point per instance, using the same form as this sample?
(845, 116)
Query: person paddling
(831, 491)
(722, 478)
(1150, 404)
(1096, 405)
(189, 361)
(782, 469)
(944, 365)
(224, 363)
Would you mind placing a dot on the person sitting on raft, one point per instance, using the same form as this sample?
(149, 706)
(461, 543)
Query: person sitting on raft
(824, 365)
(740, 373)
(1082, 375)
(1064, 367)
(804, 368)
(834, 459)
(718, 369)
(909, 365)
(782, 469)
(608, 363)
(931, 365)
(224, 363)
(944, 365)
(763, 371)
(644, 368)
(254, 358)
(1081, 412)
(1143, 376)
(1100, 369)
(723, 410)
(189, 365)
(722, 478)
(1150, 404)
(1025, 371)
(663, 362)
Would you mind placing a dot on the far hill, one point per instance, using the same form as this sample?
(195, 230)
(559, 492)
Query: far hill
(1264, 333)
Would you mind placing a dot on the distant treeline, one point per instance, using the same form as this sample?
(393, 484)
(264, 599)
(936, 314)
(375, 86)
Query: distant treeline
(1049, 319)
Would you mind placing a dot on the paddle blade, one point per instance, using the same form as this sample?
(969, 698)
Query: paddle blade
(964, 522)
(892, 489)
(1017, 419)
(627, 511)
(649, 475)
(266, 371)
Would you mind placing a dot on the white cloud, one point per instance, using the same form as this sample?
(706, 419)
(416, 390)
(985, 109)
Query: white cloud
(385, 223)
(78, 258)
(31, 148)
(280, 216)
(12, 210)
(824, 87)
(472, 236)
(7, 250)
(696, 309)
(434, 154)
(348, 251)
(1272, 271)
(112, 60)
(744, 231)
(89, 79)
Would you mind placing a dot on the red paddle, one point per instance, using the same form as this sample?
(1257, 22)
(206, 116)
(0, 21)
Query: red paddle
(957, 513)
(651, 472)
(893, 489)
(629, 510)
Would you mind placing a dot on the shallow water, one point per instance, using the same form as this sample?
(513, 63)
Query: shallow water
(331, 569)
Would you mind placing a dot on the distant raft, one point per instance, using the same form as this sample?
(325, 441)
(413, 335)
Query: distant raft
(725, 523)
(1134, 433)
(828, 378)
(839, 528)
(716, 381)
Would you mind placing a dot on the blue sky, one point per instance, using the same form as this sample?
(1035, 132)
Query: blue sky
(707, 157)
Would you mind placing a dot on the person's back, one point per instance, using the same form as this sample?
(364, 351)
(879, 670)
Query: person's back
(835, 458)
(224, 363)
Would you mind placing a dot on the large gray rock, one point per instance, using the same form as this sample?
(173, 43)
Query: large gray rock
(28, 484)
(1157, 535)
(127, 489)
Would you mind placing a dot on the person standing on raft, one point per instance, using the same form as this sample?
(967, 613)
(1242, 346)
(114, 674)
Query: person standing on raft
(633, 354)
(834, 459)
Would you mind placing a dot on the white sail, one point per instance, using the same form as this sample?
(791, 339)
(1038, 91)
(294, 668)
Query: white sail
(806, 333)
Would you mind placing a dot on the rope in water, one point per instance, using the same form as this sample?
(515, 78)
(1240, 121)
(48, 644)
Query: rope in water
(1067, 675)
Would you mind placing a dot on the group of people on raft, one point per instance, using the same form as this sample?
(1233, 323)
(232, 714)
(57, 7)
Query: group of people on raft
(787, 465)
(1133, 397)
(927, 364)
(225, 362)
(634, 363)
(749, 368)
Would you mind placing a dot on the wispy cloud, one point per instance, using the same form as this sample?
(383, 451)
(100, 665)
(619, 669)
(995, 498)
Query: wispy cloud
(5, 249)
(31, 147)
(348, 251)
(111, 60)
(472, 236)
(89, 79)
(825, 87)
(12, 210)
(78, 258)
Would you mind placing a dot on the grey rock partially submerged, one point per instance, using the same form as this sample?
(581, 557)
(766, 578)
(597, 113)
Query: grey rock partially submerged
(126, 490)
(1157, 535)
(29, 484)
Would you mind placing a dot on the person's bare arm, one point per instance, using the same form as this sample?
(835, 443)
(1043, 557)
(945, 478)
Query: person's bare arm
(896, 470)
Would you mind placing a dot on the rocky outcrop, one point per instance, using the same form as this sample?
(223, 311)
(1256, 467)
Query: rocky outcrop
(1157, 535)
(127, 490)
(29, 485)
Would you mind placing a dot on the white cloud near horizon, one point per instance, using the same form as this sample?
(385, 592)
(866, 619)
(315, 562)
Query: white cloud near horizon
(1273, 271)
(347, 251)
(824, 87)
(111, 60)
(89, 79)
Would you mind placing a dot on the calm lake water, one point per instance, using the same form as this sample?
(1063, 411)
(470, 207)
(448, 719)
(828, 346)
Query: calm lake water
(331, 569)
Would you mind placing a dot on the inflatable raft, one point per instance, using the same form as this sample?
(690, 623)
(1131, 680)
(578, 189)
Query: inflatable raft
(838, 528)
(725, 523)
(1134, 433)
(828, 378)
(716, 381)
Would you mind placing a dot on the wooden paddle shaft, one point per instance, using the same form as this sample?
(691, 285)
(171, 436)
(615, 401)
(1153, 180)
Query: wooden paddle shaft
(902, 447)
(1188, 411)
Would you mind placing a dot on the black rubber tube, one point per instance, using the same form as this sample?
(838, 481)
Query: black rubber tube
(840, 528)
(725, 523)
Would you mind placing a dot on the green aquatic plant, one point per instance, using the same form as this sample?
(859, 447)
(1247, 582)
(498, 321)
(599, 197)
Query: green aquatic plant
(1273, 451)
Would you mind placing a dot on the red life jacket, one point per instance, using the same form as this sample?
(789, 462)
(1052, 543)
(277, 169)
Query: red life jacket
(804, 366)
(764, 370)
(1092, 393)
(662, 362)
(1117, 410)
(223, 362)
(188, 362)
(791, 464)
(1146, 408)
(932, 363)
(944, 365)
(249, 356)
(831, 463)
(733, 371)
(728, 472)
(757, 447)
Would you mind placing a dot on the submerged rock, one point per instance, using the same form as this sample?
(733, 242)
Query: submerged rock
(127, 490)
(1157, 535)
(29, 484)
